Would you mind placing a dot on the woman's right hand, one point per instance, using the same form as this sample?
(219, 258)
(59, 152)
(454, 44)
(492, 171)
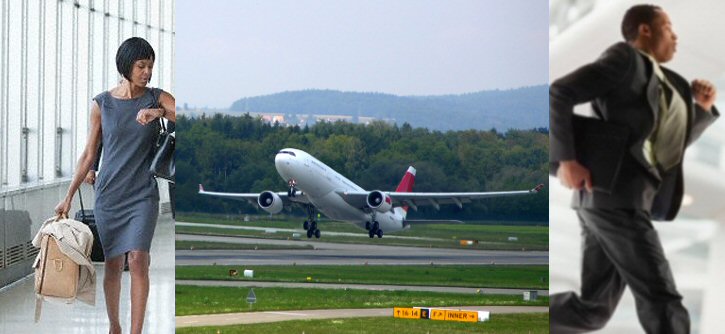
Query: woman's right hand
(90, 177)
(62, 208)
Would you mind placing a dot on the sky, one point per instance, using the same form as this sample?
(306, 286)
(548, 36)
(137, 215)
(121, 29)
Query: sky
(230, 49)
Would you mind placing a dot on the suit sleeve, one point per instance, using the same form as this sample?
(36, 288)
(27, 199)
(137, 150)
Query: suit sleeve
(703, 119)
(583, 85)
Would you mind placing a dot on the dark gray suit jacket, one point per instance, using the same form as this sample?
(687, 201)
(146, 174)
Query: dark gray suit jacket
(623, 89)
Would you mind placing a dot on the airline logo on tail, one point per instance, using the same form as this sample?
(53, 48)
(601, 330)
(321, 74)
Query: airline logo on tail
(406, 185)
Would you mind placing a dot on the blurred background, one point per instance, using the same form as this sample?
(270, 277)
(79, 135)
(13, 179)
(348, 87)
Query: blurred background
(579, 31)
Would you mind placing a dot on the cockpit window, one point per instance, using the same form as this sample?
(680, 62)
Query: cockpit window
(288, 152)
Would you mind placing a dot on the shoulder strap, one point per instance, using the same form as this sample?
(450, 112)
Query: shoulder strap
(156, 94)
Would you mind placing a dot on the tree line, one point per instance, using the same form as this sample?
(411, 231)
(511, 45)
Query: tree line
(236, 154)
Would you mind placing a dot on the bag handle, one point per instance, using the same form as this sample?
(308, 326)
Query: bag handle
(80, 198)
(157, 105)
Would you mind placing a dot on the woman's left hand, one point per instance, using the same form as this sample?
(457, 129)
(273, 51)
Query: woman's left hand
(145, 116)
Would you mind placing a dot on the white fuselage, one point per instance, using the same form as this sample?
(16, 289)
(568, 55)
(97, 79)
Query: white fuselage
(320, 184)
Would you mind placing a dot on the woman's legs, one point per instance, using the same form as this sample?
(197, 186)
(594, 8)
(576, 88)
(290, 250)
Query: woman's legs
(112, 290)
(138, 263)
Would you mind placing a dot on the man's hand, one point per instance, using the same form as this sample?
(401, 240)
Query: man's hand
(704, 93)
(574, 176)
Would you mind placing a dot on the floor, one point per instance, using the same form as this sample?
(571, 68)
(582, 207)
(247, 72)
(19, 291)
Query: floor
(17, 302)
(688, 245)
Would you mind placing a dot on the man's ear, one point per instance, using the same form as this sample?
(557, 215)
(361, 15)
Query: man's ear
(644, 30)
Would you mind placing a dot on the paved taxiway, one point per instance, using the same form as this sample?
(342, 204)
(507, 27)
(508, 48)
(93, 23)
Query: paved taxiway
(325, 253)
(274, 316)
(290, 230)
(374, 287)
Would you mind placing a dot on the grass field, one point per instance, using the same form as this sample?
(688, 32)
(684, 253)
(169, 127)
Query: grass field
(211, 300)
(183, 244)
(498, 276)
(444, 235)
(276, 221)
(531, 323)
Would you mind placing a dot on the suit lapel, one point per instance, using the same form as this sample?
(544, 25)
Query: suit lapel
(653, 87)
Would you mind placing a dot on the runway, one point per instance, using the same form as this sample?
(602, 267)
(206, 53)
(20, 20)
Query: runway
(290, 230)
(227, 319)
(373, 287)
(325, 253)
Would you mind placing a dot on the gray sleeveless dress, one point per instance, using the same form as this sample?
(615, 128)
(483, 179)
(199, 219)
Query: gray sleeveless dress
(127, 197)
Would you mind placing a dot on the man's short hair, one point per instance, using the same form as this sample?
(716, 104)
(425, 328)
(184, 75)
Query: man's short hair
(131, 50)
(636, 15)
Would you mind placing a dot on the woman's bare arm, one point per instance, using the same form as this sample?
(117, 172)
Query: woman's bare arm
(85, 161)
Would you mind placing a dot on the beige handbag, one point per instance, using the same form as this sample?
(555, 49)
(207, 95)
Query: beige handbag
(56, 274)
(60, 266)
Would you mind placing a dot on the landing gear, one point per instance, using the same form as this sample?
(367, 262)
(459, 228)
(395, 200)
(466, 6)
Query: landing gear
(374, 230)
(310, 224)
(292, 188)
(374, 227)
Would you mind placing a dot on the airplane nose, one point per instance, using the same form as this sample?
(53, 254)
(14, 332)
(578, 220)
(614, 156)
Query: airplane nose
(281, 159)
(282, 162)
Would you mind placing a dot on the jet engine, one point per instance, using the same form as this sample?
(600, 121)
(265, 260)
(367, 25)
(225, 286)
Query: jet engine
(270, 202)
(379, 201)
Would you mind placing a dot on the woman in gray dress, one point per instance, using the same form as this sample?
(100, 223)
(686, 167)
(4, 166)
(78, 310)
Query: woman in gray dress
(126, 120)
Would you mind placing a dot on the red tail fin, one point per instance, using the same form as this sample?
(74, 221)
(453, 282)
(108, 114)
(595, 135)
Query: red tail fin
(406, 184)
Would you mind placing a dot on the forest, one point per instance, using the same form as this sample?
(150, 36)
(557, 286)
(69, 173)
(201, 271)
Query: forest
(236, 154)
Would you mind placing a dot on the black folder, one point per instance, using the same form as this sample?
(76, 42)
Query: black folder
(600, 146)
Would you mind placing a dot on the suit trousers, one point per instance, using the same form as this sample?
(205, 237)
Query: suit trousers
(620, 248)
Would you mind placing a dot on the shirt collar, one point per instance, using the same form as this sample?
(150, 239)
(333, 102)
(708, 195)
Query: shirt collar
(655, 65)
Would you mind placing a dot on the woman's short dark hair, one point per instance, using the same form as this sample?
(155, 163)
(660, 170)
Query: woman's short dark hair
(636, 15)
(131, 50)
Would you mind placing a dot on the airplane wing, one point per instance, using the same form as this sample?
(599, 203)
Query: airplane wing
(415, 199)
(300, 197)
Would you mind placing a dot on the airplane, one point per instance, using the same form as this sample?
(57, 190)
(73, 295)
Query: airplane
(318, 187)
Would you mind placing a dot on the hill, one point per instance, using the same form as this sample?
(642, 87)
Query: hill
(520, 108)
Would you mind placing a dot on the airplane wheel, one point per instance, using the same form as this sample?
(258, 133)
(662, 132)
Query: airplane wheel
(371, 234)
(317, 234)
(367, 226)
(376, 226)
(309, 233)
(306, 225)
(379, 233)
(313, 225)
